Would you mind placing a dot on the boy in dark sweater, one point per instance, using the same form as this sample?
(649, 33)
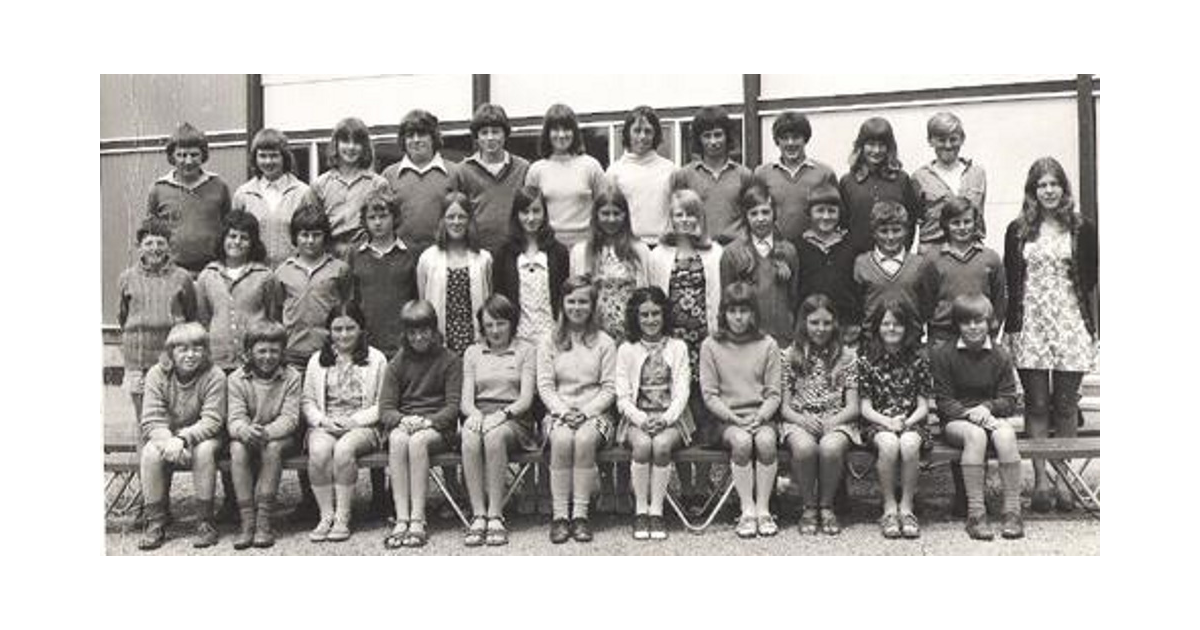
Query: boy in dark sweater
(191, 200)
(975, 386)
(384, 271)
(827, 260)
(889, 270)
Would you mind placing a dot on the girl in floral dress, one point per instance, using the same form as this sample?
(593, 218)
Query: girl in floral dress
(455, 275)
(616, 260)
(1051, 261)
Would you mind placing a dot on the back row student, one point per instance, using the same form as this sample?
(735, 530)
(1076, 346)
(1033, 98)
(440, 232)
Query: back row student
(192, 200)
(339, 192)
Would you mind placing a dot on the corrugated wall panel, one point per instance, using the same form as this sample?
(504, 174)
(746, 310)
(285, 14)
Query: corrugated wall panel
(154, 104)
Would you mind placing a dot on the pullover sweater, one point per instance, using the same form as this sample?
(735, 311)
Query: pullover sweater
(420, 197)
(964, 378)
(193, 411)
(569, 183)
(912, 283)
(492, 196)
(427, 385)
(790, 193)
(582, 378)
(739, 378)
(722, 211)
(151, 302)
(195, 214)
(645, 181)
(980, 271)
(381, 284)
(273, 403)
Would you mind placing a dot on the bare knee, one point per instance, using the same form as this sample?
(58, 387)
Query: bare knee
(910, 446)
(741, 448)
(802, 446)
(398, 443)
(472, 444)
(663, 447)
(764, 446)
(642, 448)
(1005, 441)
(832, 446)
(887, 446)
(562, 447)
(496, 443)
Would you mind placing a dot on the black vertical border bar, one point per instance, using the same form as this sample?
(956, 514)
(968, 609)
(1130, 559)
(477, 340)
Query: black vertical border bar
(751, 127)
(1085, 102)
(254, 114)
(481, 90)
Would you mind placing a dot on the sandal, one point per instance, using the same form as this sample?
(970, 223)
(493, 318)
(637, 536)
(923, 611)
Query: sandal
(417, 537)
(809, 521)
(889, 524)
(747, 526)
(395, 540)
(909, 526)
(829, 522)
(496, 533)
(476, 533)
(767, 526)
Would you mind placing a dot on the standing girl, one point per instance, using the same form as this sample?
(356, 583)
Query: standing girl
(613, 257)
(820, 407)
(762, 258)
(454, 275)
(497, 400)
(653, 383)
(531, 266)
(341, 406)
(274, 194)
(895, 387)
(340, 191)
(642, 175)
(875, 175)
(740, 381)
(1051, 259)
(235, 291)
(576, 366)
(567, 177)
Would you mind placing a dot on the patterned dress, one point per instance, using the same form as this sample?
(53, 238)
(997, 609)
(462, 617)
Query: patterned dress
(688, 308)
(893, 383)
(344, 391)
(460, 329)
(1053, 335)
(821, 392)
(616, 280)
(537, 317)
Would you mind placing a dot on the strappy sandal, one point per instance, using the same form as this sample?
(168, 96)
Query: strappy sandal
(497, 534)
(417, 536)
(395, 540)
(477, 532)
(889, 524)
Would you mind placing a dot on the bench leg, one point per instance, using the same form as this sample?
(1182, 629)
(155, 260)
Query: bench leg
(712, 514)
(441, 486)
(515, 484)
(1077, 485)
(119, 507)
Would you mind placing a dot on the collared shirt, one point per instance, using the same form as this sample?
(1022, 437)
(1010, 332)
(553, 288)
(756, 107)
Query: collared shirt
(764, 245)
(437, 162)
(195, 212)
(494, 168)
(806, 162)
(813, 237)
(965, 256)
(380, 253)
(962, 345)
(173, 179)
(342, 198)
(308, 294)
(717, 173)
(890, 264)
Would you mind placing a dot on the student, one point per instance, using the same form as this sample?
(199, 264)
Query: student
(739, 382)
(945, 177)
(191, 200)
(274, 194)
(340, 191)
(961, 265)
(532, 266)
(826, 260)
(567, 177)
(454, 275)
(264, 413)
(491, 176)
(653, 382)
(895, 387)
(889, 270)
(181, 426)
(975, 389)
(311, 283)
(576, 366)
(614, 258)
(819, 411)
(642, 175)
(1051, 259)
(792, 177)
(762, 258)
(235, 290)
(384, 272)
(419, 406)
(421, 179)
(498, 389)
(875, 175)
(713, 175)
(342, 385)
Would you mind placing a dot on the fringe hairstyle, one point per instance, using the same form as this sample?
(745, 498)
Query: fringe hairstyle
(906, 314)
(359, 355)
(737, 294)
(804, 355)
(591, 330)
(875, 129)
(622, 241)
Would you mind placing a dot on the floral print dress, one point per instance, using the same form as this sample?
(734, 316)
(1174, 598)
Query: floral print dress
(616, 280)
(688, 308)
(892, 383)
(1053, 335)
(460, 324)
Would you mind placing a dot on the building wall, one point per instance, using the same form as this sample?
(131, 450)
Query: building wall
(318, 101)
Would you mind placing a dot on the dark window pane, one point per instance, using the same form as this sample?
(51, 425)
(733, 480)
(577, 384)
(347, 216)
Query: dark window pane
(686, 134)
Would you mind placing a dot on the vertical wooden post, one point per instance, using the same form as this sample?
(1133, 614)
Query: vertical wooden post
(254, 115)
(481, 90)
(751, 127)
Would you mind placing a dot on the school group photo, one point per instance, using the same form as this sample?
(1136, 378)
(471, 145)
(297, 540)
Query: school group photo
(609, 314)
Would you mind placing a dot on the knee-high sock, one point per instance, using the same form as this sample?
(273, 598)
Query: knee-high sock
(764, 484)
(974, 482)
(639, 476)
(560, 492)
(343, 500)
(743, 481)
(324, 497)
(1010, 474)
(583, 487)
(660, 480)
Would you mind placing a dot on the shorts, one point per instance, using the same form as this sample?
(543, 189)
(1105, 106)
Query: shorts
(134, 382)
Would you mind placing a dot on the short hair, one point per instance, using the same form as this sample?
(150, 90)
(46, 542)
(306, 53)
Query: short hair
(689, 202)
(375, 198)
(875, 129)
(497, 306)
(349, 309)
(791, 122)
(888, 212)
(906, 313)
(641, 295)
(954, 207)
(153, 226)
(561, 336)
(638, 113)
(970, 307)
(490, 115)
(244, 222)
(737, 294)
(455, 198)
(265, 330)
(185, 334)
(712, 117)
(417, 314)
(352, 130)
(560, 116)
(270, 140)
(825, 193)
(944, 124)
(187, 137)
(309, 217)
(421, 122)
(524, 197)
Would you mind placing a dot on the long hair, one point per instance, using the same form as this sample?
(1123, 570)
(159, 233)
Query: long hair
(875, 129)
(359, 355)
(560, 116)
(641, 295)
(690, 203)
(622, 242)
(420, 122)
(455, 198)
(713, 117)
(183, 334)
(737, 294)
(641, 112)
(906, 314)
(804, 354)
(351, 130)
(591, 329)
(523, 198)
(243, 222)
(1032, 212)
(754, 194)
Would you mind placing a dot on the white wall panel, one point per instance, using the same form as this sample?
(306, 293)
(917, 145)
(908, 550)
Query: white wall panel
(1005, 137)
(805, 85)
(532, 94)
(295, 102)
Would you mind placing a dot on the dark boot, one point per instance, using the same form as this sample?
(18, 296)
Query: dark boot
(264, 536)
(246, 535)
(156, 527)
(206, 531)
